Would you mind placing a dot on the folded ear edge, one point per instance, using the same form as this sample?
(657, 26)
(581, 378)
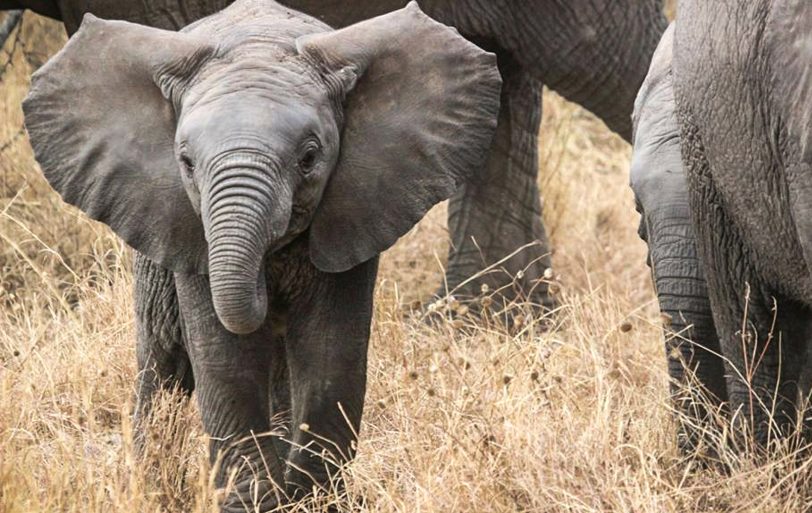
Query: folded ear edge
(72, 173)
(481, 118)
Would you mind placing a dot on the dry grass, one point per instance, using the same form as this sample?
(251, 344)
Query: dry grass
(671, 9)
(573, 419)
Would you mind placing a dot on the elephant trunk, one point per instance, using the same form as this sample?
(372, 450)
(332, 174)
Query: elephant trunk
(691, 340)
(244, 213)
(683, 296)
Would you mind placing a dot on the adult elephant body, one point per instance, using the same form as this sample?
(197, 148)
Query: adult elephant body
(595, 53)
(733, 92)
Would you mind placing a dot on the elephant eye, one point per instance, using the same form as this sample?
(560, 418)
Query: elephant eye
(308, 159)
(187, 165)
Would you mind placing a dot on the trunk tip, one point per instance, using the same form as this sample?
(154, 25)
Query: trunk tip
(244, 328)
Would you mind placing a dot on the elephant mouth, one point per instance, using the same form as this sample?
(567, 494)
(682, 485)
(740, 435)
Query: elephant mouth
(300, 210)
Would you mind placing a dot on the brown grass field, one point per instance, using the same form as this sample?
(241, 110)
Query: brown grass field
(572, 419)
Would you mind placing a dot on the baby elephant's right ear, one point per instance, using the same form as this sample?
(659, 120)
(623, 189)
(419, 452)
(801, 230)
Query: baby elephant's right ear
(103, 133)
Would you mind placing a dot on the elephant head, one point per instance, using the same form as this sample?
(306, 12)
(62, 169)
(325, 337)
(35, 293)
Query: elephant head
(660, 184)
(208, 149)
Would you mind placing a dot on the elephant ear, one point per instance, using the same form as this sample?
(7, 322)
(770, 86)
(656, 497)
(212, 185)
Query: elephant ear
(790, 30)
(657, 79)
(418, 123)
(657, 153)
(103, 133)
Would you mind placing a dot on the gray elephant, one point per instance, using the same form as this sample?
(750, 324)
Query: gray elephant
(661, 193)
(258, 162)
(726, 121)
(593, 52)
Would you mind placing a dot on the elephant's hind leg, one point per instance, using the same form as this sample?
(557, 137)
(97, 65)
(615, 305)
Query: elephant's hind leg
(499, 211)
(762, 335)
(162, 360)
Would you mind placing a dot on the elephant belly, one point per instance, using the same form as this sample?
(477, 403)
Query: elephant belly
(340, 13)
(165, 14)
(44, 7)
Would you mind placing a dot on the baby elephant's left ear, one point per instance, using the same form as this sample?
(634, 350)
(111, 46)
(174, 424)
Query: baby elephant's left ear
(418, 123)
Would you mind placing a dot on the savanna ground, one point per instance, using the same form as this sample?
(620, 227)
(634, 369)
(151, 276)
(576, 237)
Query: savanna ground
(574, 418)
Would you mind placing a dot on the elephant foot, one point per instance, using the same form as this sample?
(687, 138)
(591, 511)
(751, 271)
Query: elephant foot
(239, 507)
(252, 495)
(701, 445)
(326, 493)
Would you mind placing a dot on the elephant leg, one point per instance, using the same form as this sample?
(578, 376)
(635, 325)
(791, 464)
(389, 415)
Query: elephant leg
(327, 355)
(765, 355)
(162, 360)
(280, 400)
(232, 373)
(499, 211)
(691, 342)
(762, 335)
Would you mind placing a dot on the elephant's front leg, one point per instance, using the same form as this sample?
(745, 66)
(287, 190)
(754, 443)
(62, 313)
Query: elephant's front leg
(162, 360)
(499, 212)
(231, 375)
(327, 356)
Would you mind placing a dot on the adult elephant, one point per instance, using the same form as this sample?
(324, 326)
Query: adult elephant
(594, 53)
(727, 113)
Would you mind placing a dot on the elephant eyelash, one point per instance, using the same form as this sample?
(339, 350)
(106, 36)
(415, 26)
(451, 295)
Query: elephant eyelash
(309, 157)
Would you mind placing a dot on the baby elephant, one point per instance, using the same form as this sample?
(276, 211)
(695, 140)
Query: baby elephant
(258, 162)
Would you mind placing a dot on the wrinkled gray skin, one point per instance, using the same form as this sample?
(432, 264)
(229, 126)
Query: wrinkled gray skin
(661, 192)
(741, 84)
(593, 52)
(214, 152)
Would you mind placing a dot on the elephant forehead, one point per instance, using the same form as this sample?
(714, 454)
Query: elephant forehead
(259, 76)
(241, 15)
(249, 120)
